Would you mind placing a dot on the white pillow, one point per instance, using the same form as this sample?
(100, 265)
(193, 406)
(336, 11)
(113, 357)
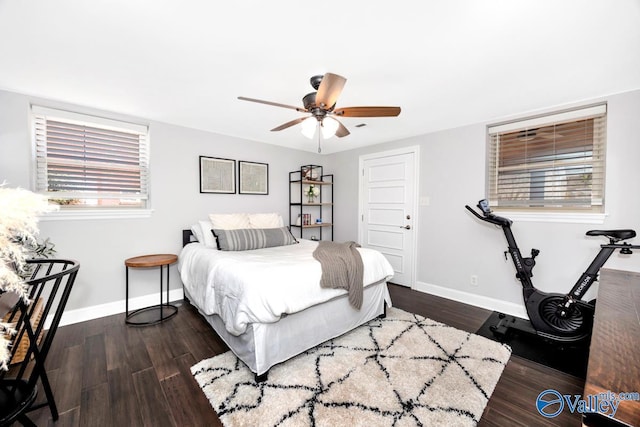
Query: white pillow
(207, 236)
(229, 221)
(196, 229)
(265, 220)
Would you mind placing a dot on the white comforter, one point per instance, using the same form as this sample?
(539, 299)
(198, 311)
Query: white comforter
(261, 285)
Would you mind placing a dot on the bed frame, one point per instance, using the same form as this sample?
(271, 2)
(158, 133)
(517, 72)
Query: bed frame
(255, 347)
(187, 237)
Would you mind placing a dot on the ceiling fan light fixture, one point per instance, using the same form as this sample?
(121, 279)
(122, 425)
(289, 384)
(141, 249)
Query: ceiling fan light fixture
(308, 127)
(322, 104)
(329, 127)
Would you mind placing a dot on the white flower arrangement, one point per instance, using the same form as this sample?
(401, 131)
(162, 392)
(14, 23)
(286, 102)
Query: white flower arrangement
(312, 192)
(18, 231)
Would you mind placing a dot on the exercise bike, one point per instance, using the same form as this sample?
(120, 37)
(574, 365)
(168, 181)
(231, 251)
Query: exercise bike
(559, 318)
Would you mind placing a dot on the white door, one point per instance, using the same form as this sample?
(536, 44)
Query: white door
(388, 208)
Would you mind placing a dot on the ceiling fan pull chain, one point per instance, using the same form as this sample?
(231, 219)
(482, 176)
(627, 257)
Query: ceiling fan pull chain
(319, 136)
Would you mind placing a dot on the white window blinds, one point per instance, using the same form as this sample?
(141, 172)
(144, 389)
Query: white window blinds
(551, 162)
(89, 161)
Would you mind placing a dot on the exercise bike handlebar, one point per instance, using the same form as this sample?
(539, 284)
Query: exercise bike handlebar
(487, 215)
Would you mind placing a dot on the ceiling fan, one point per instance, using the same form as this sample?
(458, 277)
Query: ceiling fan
(322, 107)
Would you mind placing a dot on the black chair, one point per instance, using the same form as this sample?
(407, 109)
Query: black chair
(48, 287)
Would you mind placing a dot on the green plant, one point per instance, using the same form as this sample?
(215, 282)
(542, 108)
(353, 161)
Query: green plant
(44, 249)
(38, 248)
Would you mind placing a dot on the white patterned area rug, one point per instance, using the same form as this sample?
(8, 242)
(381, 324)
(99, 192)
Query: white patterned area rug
(403, 370)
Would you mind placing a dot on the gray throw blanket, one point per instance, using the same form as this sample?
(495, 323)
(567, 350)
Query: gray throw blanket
(341, 268)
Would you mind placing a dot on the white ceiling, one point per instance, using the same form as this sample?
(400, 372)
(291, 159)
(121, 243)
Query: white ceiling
(447, 63)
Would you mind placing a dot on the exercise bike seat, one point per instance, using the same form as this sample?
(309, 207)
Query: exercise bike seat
(613, 234)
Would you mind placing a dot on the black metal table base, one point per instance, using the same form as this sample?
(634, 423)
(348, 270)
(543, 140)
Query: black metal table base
(165, 311)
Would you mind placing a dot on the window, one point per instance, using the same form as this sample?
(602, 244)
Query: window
(90, 162)
(553, 162)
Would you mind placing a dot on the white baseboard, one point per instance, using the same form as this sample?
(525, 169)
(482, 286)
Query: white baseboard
(89, 313)
(473, 299)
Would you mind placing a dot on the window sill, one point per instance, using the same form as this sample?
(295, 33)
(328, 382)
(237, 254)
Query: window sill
(82, 214)
(559, 217)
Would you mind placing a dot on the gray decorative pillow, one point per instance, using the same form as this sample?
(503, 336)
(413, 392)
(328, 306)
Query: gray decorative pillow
(244, 239)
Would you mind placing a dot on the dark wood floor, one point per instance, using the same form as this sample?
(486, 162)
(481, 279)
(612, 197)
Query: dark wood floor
(104, 373)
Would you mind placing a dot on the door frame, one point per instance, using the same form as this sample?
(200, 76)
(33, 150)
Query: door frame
(415, 150)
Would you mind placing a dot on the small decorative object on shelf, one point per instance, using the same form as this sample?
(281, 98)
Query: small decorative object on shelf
(306, 219)
(312, 193)
(310, 172)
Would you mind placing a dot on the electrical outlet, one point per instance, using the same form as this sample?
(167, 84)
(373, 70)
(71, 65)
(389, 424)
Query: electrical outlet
(473, 280)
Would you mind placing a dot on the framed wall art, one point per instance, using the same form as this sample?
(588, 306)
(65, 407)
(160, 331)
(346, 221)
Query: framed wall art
(217, 175)
(254, 177)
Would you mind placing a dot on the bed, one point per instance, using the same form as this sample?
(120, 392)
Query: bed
(267, 304)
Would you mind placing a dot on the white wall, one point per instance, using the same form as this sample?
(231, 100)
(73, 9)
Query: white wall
(452, 245)
(101, 246)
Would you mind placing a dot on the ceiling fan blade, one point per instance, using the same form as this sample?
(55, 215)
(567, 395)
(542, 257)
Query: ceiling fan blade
(342, 131)
(275, 104)
(289, 124)
(329, 90)
(367, 111)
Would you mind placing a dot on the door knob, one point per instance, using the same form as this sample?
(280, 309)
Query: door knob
(408, 227)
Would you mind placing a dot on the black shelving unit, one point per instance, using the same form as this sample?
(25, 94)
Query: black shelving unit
(318, 210)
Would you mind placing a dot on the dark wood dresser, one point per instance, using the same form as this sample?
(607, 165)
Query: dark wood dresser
(614, 358)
